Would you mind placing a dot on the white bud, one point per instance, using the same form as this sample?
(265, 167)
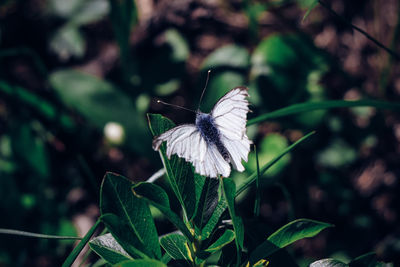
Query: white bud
(114, 133)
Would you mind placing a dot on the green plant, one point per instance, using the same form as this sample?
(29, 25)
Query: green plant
(286, 74)
(208, 228)
(204, 203)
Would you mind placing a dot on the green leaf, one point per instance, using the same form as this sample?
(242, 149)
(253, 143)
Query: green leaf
(89, 11)
(286, 235)
(179, 46)
(366, 260)
(337, 154)
(157, 197)
(208, 202)
(328, 263)
(108, 248)
(167, 88)
(30, 149)
(309, 106)
(232, 56)
(78, 12)
(141, 263)
(125, 236)
(296, 230)
(215, 218)
(284, 67)
(229, 191)
(39, 105)
(166, 258)
(68, 42)
(265, 167)
(261, 263)
(177, 247)
(100, 102)
(62, 8)
(186, 185)
(133, 214)
(227, 237)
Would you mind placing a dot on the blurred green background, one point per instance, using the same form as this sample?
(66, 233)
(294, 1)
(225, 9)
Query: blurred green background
(78, 77)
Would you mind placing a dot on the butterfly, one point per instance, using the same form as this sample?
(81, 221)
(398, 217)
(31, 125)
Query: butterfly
(216, 140)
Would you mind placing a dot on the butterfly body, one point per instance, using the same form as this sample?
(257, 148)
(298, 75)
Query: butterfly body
(216, 139)
(208, 130)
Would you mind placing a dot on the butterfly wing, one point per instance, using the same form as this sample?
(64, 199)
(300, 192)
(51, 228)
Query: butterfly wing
(186, 142)
(183, 140)
(230, 117)
(213, 164)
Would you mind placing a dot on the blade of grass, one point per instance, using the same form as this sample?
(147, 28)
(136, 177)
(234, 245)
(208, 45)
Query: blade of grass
(36, 235)
(264, 168)
(228, 189)
(258, 192)
(310, 106)
(75, 252)
(309, 9)
(89, 251)
(123, 16)
(391, 52)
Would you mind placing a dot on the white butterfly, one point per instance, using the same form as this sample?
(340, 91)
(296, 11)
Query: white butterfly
(216, 139)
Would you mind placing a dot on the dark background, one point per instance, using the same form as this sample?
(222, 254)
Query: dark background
(70, 68)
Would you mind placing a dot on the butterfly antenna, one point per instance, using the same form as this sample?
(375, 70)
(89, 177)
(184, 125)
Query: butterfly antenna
(176, 106)
(202, 93)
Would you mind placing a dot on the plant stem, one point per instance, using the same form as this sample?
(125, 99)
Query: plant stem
(30, 234)
(258, 190)
(75, 252)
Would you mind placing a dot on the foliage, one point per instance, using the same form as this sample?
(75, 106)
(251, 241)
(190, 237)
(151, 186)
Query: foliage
(126, 215)
(78, 81)
(125, 212)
